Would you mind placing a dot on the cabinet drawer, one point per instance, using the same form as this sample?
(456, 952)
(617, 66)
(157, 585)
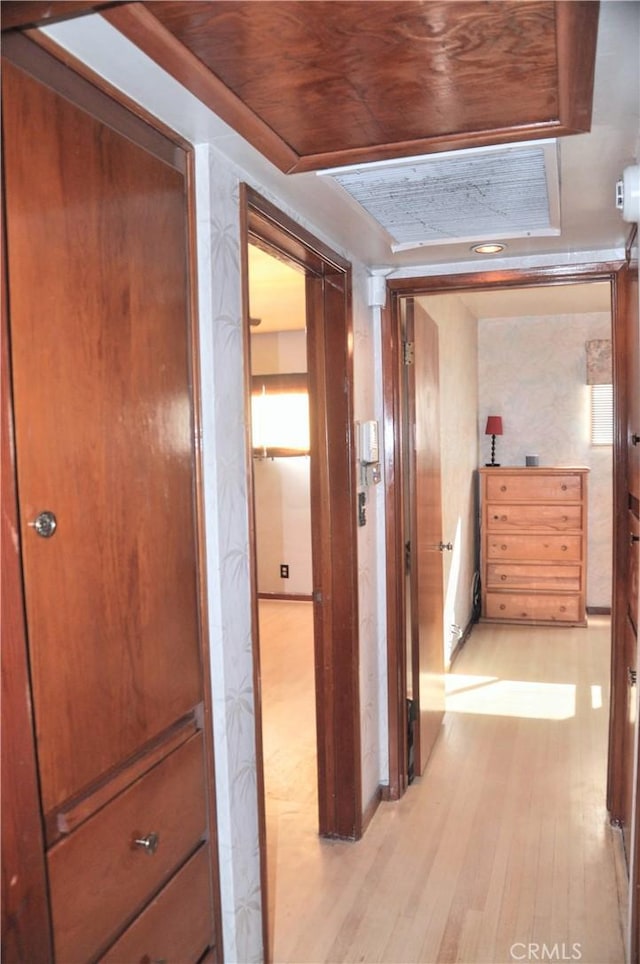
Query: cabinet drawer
(534, 488)
(176, 926)
(98, 876)
(507, 576)
(534, 548)
(544, 518)
(543, 607)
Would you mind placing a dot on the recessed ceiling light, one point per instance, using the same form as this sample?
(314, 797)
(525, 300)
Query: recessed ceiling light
(490, 248)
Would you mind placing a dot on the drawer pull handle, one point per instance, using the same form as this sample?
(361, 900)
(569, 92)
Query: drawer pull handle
(503, 578)
(503, 547)
(502, 606)
(564, 548)
(563, 609)
(564, 488)
(503, 488)
(565, 518)
(149, 843)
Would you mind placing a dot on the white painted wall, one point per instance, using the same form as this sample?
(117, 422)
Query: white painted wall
(532, 372)
(282, 485)
(458, 374)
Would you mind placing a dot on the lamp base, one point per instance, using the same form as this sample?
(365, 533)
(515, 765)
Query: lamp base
(492, 465)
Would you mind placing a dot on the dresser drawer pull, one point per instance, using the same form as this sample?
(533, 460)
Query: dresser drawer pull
(564, 548)
(503, 488)
(503, 547)
(565, 518)
(149, 843)
(564, 488)
(563, 609)
(503, 578)
(502, 606)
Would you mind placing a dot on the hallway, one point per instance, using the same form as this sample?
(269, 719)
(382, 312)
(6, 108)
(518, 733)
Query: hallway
(503, 844)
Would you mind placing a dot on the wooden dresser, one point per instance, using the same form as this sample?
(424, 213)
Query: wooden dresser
(534, 545)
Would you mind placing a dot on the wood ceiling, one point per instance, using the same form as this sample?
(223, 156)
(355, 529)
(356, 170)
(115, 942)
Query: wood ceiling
(319, 84)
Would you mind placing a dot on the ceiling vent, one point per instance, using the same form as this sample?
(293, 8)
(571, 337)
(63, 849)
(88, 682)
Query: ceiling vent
(486, 193)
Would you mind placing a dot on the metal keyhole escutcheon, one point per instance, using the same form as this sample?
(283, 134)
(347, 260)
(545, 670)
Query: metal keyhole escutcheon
(45, 524)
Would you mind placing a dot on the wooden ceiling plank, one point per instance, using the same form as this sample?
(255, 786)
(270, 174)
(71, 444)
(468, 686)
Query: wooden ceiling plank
(38, 13)
(463, 140)
(317, 85)
(577, 30)
(143, 29)
(355, 75)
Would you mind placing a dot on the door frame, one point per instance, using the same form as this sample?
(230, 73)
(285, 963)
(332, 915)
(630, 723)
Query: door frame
(397, 289)
(333, 519)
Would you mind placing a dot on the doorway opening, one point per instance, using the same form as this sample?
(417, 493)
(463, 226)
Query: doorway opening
(330, 451)
(283, 554)
(422, 290)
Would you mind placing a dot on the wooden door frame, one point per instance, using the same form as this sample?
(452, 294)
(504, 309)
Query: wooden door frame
(397, 289)
(333, 521)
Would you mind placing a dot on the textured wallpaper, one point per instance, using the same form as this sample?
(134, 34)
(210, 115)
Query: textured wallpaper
(226, 522)
(532, 372)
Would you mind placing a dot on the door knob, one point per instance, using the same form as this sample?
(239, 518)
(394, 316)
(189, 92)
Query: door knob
(149, 843)
(45, 524)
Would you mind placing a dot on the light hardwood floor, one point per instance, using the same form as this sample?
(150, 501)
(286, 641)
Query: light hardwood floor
(503, 843)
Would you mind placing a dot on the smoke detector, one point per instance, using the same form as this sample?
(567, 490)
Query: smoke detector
(628, 193)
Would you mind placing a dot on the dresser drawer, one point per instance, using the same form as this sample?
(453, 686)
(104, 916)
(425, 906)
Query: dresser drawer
(543, 607)
(98, 875)
(541, 518)
(534, 488)
(549, 578)
(534, 548)
(176, 926)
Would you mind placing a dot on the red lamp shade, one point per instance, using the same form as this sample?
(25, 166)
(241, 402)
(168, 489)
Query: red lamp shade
(494, 425)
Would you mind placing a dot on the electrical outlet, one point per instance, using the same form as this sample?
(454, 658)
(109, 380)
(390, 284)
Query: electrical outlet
(284, 571)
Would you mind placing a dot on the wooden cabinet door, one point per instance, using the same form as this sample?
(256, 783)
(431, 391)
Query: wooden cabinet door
(100, 354)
